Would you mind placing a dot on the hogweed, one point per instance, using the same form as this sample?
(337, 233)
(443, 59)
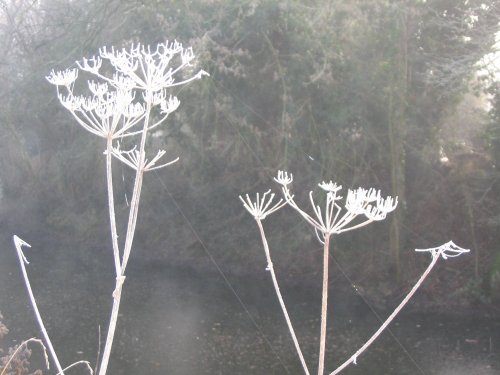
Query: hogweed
(127, 87)
(367, 204)
(361, 207)
(120, 100)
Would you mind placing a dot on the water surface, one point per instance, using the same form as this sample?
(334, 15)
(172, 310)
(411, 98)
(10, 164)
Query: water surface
(179, 321)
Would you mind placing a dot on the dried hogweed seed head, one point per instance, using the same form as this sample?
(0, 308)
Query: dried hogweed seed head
(388, 204)
(361, 207)
(446, 250)
(71, 103)
(132, 82)
(356, 200)
(262, 206)
(63, 78)
(330, 186)
(170, 105)
(381, 209)
(283, 178)
(90, 65)
(97, 88)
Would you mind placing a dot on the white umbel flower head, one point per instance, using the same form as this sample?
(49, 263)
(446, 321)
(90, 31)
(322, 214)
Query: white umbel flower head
(356, 199)
(283, 178)
(127, 84)
(364, 205)
(63, 78)
(330, 186)
(262, 206)
(170, 105)
(97, 88)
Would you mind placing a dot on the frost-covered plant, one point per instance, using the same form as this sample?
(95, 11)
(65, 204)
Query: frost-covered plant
(445, 251)
(127, 87)
(359, 208)
(260, 209)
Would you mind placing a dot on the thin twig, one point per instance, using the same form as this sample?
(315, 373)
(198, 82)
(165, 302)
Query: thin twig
(25, 343)
(86, 363)
(98, 348)
(324, 306)
(111, 206)
(18, 243)
(396, 311)
(270, 267)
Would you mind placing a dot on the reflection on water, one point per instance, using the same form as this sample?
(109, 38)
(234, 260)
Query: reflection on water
(179, 322)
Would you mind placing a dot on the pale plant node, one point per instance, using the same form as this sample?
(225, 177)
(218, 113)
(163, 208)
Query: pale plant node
(63, 78)
(330, 186)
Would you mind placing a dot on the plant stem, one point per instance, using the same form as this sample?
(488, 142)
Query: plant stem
(131, 225)
(136, 194)
(18, 242)
(18, 349)
(389, 319)
(324, 306)
(112, 325)
(280, 298)
(111, 206)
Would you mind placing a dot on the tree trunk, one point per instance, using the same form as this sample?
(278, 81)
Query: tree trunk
(397, 137)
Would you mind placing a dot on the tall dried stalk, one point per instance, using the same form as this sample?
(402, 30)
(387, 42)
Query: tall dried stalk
(447, 250)
(366, 204)
(120, 107)
(324, 307)
(19, 243)
(260, 209)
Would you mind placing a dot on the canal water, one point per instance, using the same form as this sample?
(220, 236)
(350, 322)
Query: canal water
(177, 321)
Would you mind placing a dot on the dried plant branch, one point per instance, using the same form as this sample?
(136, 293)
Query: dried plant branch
(445, 251)
(18, 243)
(25, 344)
(85, 363)
(270, 268)
(366, 204)
(260, 209)
(324, 306)
(111, 206)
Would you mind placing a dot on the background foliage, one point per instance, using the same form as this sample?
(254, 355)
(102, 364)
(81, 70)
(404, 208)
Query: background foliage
(382, 93)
